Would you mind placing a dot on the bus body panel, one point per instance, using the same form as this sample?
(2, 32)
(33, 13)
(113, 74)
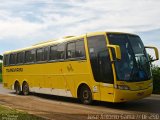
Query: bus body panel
(107, 92)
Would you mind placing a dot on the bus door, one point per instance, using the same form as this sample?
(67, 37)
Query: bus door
(101, 66)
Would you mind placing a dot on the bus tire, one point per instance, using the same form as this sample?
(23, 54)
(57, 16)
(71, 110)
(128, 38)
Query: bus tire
(17, 88)
(85, 95)
(25, 88)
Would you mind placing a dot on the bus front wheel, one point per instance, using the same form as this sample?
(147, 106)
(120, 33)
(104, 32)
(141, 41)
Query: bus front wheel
(85, 95)
(25, 88)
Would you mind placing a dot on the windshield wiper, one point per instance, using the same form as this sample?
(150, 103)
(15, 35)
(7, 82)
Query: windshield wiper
(132, 74)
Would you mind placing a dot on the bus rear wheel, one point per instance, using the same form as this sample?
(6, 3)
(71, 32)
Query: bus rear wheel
(85, 95)
(17, 88)
(25, 88)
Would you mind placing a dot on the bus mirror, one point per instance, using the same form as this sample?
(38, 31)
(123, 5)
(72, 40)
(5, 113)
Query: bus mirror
(117, 51)
(156, 52)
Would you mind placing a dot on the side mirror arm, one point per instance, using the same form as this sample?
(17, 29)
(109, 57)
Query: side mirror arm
(117, 51)
(155, 50)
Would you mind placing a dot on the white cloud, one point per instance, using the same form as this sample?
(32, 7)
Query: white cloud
(124, 15)
(17, 28)
(32, 21)
(86, 16)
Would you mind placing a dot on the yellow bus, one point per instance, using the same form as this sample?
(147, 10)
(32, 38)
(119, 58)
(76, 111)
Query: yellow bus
(103, 66)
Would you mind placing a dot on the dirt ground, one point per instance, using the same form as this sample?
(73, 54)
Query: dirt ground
(62, 108)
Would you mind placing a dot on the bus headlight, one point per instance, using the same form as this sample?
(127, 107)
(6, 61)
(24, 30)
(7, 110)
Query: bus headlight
(150, 85)
(123, 87)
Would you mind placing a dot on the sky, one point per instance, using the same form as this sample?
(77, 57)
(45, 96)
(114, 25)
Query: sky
(27, 22)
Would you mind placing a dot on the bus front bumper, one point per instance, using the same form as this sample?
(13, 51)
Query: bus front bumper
(128, 95)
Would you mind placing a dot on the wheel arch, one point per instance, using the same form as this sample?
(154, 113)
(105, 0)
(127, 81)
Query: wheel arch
(24, 82)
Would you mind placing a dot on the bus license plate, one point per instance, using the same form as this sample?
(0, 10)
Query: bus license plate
(140, 94)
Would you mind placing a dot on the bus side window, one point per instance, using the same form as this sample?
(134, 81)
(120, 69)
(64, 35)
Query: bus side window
(100, 60)
(12, 59)
(6, 60)
(29, 56)
(40, 55)
(71, 50)
(46, 53)
(20, 57)
(80, 49)
(60, 50)
(53, 53)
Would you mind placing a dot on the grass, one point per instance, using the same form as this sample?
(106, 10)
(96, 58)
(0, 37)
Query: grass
(12, 114)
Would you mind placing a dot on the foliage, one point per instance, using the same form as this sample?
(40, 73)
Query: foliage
(0, 67)
(1, 57)
(0, 77)
(156, 79)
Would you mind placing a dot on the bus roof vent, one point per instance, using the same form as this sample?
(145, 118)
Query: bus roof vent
(68, 36)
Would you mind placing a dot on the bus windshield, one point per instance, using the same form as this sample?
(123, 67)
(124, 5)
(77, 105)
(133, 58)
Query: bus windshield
(134, 65)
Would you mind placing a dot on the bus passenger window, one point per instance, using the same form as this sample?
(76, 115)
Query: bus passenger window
(60, 51)
(6, 60)
(80, 50)
(12, 59)
(53, 53)
(71, 50)
(40, 54)
(46, 52)
(30, 56)
(20, 57)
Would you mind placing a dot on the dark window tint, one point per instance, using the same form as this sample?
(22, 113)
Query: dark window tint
(6, 60)
(40, 54)
(100, 60)
(30, 56)
(53, 52)
(12, 59)
(71, 49)
(20, 57)
(80, 49)
(60, 51)
(46, 53)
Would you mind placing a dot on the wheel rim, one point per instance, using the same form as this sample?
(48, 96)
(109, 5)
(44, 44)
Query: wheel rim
(85, 94)
(17, 89)
(25, 89)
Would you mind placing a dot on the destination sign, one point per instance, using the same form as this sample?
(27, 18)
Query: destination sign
(14, 70)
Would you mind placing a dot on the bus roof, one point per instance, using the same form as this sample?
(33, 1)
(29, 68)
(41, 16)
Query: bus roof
(56, 41)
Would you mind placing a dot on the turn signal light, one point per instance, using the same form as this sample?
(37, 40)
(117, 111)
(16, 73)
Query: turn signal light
(122, 87)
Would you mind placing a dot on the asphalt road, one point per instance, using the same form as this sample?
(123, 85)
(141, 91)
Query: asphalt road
(62, 108)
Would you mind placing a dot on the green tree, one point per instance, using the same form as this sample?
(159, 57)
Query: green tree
(1, 57)
(156, 76)
(0, 68)
(156, 79)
